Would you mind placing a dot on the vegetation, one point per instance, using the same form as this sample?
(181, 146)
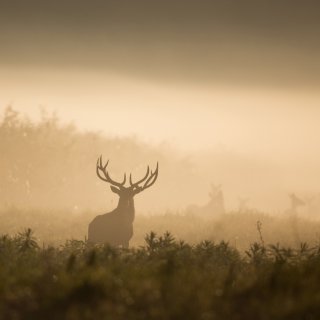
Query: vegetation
(42, 161)
(163, 279)
(46, 185)
(54, 227)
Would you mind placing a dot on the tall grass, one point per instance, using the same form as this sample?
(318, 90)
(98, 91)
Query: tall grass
(54, 227)
(163, 279)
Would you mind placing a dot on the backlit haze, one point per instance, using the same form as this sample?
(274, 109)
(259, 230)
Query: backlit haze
(203, 77)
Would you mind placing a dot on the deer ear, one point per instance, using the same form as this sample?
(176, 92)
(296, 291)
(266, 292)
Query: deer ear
(115, 190)
(137, 190)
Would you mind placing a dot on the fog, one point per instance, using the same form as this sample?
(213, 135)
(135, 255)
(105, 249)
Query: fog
(148, 144)
(238, 118)
(219, 93)
(271, 43)
(264, 158)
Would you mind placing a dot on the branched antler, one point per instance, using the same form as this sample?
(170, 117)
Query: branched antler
(106, 177)
(136, 184)
(148, 179)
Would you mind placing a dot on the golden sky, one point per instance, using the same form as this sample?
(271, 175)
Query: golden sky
(243, 75)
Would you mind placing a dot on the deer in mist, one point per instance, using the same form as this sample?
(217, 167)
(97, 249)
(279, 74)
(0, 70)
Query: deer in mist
(295, 204)
(116, 227)
(307, 206)
(213, 208)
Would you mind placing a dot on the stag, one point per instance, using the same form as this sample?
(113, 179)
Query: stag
(116, 227)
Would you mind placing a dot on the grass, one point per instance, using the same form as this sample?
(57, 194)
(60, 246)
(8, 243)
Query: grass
(54, 227)
(163, 279)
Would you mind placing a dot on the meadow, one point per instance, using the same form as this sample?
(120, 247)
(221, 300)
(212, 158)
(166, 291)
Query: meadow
(242, 264)
(239, 229)
(246, 265)
(165, 278)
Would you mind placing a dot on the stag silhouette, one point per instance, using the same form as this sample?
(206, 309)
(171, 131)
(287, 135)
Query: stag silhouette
(116, 227)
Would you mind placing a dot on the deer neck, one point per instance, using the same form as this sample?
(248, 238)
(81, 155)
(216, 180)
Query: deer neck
(126, 207)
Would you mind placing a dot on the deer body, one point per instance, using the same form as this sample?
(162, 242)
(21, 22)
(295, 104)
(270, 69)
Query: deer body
(116, 227)
(214, 207)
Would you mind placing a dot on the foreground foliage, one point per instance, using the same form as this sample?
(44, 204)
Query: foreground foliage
(164, 279)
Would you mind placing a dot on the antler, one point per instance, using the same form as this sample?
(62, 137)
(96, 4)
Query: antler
(149, 180)
(106, 177)
(136, 184)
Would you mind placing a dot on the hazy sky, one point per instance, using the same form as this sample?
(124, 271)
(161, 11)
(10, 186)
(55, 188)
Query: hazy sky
(244, 75)
(271, 42)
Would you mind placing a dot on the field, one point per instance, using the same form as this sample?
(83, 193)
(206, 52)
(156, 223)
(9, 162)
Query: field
(240, 264)
(163, 275)
(159, 160)
(164, 279)
(239, 229)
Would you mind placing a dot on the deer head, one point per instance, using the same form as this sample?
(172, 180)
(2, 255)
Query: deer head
(119, 187)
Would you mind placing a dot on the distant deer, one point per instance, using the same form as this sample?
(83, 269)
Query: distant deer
(243, 205)
(312, 206)
(214, 207)
(116, 227)
(295, 203)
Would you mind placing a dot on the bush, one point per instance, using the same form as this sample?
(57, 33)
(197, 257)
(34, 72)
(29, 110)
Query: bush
(163, 279)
